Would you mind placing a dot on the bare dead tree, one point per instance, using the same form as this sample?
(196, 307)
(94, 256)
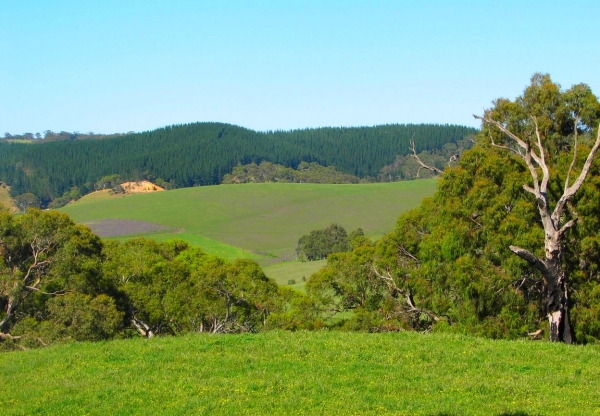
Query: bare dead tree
(420, 162)
(530, 149)
(422, 165)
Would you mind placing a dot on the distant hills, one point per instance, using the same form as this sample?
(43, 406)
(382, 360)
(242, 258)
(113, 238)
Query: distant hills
(202, 153)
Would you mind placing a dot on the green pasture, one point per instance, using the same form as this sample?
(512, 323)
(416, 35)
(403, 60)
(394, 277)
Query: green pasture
(5, 200)
(283, 272)
(210, 246)
(302, 373)
(267, 218)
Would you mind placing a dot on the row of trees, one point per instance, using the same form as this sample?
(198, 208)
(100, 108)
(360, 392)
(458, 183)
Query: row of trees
(202, 153)
(49, 136)
(270, 172)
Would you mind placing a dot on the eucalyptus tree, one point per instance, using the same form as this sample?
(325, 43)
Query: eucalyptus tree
(44, 255)
(555, 134)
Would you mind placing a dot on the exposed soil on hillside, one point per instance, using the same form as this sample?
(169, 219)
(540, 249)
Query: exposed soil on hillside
(116, 227)
(140, 187)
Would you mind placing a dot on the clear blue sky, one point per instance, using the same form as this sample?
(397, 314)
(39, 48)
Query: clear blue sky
(116, 66)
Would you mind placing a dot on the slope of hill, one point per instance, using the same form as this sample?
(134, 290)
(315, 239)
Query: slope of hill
(264, 218)
(303, 373)
(202, 153)
(5, 200)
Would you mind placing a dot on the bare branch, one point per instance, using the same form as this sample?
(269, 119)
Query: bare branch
(57, 293)
(542, 158)
(568, 179)
(535, 335)
(527, 157)
(530, 257)
(530, 190)
(4, 337)
(571, 190)
(407, 295)
(453, 158)
(423, 165)
(510, 149)
(406, 253)
(565, 227)
(509, 133)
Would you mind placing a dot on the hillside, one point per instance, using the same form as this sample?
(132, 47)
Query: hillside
(6, 200)
(303, 373)
(262, 218)
(202, 153)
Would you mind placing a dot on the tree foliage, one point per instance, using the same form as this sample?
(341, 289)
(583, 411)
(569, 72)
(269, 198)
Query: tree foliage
(270, 172)
(59, 282)
(45, 255)
(320, 243)
(449, 266)
(26, 201)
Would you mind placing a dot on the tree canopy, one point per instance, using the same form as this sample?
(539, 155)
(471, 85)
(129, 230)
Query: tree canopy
(60, 282)
(450, 264)
(318, 244)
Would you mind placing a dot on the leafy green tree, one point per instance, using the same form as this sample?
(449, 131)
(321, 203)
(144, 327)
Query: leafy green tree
(171, 288)
(44, 255)
(546, 128)
(320, 243)
(108, 182)
(73, 317)
(451, 264)
(25, 201)
(351, 282)
(144, 272)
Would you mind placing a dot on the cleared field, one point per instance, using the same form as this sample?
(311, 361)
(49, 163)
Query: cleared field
(284, 373)
(267, 219)
(283, 272)
(6, 200)
(210, 246)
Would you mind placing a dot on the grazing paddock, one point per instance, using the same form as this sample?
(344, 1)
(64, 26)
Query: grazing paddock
(114, 228)
(303, 373)
(266, 218)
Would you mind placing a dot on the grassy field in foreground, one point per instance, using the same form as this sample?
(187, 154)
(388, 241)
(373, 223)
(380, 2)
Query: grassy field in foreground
(262, 218)
(303, 373)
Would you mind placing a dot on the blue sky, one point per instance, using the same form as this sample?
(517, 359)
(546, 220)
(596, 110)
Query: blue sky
(118, 66)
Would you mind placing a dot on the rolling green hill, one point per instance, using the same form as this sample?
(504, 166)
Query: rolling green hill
(303, 373)
(266, 219)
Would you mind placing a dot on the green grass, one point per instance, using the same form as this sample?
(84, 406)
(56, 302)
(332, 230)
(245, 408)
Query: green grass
(6, 200)
(210, 246)
(303, 373)
(283, 272)
(262, 218)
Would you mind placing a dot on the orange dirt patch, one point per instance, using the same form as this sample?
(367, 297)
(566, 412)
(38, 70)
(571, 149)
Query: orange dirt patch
(140, 187)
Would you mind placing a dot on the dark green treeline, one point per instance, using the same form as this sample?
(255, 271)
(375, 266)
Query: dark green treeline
(202, 153)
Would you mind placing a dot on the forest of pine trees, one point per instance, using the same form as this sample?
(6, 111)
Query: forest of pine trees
(202, 153)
